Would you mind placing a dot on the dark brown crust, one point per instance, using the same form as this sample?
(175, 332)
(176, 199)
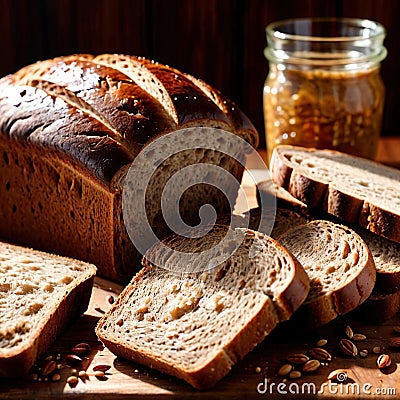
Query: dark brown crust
(72, 306)
(82, 136)
(296, 292)
(93, 119)
(326, 197)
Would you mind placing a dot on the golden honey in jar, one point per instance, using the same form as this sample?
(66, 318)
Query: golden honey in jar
(324, 87)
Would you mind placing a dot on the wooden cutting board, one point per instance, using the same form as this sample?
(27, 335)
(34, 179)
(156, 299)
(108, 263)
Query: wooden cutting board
(255, 376)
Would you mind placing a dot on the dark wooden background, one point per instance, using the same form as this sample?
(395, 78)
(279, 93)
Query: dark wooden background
(220, 41)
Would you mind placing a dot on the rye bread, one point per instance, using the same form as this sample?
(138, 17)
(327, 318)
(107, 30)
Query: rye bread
(196, 326)
(40, 294)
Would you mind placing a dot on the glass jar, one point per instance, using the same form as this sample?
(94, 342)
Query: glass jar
(324, 88)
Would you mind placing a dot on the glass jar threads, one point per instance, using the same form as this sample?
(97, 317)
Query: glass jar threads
(324, 88)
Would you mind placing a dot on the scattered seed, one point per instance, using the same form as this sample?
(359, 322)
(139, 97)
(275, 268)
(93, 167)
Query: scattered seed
(48, 358)
(59, 366)
(49, 368)
(120, 322)
(285, 369)
(311, 366)
(73, 359)
(81, 349)
(376, 350)
(258, 370)
(298, 359)
(100, 375)
(56, 377)
(321, 342)
(363, 353)
(72, 380)
(359, 337)
(83, 375)
(348, 347)
(383, 361)
(295, 375)
(349, 332)
(101, 367)
(110, 299)
(100, 310)
(320, 354)
(338, 375)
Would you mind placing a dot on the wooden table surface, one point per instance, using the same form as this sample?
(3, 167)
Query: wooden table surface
(255, 376)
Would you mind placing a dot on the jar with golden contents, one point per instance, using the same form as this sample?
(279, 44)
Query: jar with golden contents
(324, 88)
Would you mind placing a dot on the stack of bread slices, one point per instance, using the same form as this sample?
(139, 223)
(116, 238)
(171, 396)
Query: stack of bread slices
(71, 127)
(363, 195)
(336, 221)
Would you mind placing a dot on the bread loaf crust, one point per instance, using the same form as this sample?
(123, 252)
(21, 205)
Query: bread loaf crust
(331, 198)
(86, 118)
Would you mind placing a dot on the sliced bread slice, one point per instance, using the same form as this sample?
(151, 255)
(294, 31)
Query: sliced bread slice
(356, 190)
(39, 294)
(196, 326)
(340, 267)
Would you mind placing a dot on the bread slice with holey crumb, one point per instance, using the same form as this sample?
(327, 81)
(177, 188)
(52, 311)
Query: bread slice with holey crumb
(40, 293)
(340, 267)
(197, 325)
(354, 189)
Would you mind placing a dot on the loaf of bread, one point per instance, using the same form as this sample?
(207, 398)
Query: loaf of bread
(339, 265)
(70, 128)
(196, 326)
(40, 294)
(356, 190)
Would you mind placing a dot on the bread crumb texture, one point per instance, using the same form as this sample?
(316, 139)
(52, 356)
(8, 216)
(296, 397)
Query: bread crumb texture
(186, 319)
(30, 285)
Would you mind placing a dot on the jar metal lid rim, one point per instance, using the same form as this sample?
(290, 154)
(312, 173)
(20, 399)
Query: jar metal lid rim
(376, 28)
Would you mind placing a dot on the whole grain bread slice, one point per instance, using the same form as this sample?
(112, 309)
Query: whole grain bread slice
(385, 252)
(340, 267)
(356, 190)
(39, 294)
(196, 326)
